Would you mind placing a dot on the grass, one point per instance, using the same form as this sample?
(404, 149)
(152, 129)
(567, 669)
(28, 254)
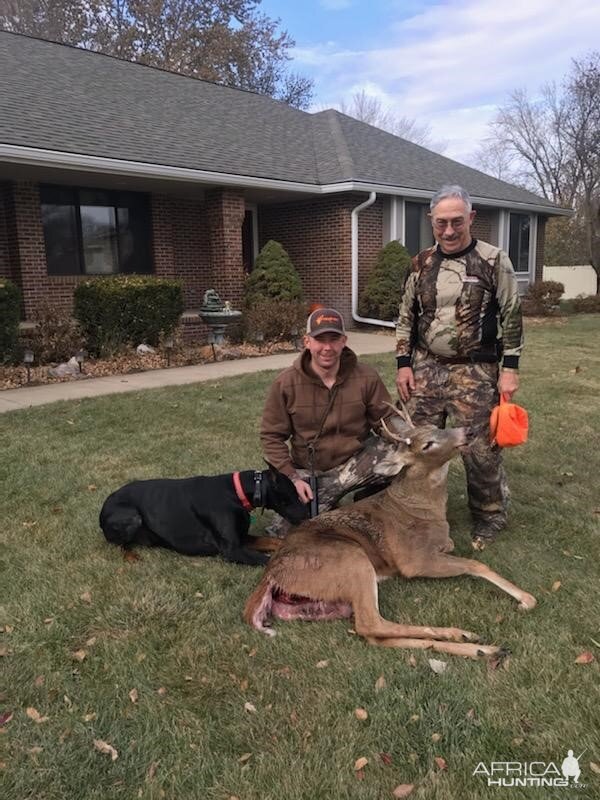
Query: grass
(170, 627)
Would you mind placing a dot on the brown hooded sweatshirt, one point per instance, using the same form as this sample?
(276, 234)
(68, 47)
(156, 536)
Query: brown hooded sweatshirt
(295, 406)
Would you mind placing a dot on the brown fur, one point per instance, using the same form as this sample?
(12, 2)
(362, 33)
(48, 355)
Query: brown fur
(336, 559)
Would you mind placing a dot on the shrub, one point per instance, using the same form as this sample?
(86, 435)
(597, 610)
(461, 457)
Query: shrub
(127, 310)
(587, 305)
(56, 336)
(10, 314)
(273, 276)
(383, 292)
(275, 320)
(542, 298)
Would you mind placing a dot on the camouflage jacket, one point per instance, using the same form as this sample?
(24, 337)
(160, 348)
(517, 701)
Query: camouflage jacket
(461, 306)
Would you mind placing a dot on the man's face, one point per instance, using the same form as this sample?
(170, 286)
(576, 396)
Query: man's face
(451, 225)
(325, 349)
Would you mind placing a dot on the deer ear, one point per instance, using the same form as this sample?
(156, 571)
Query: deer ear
(394, 461)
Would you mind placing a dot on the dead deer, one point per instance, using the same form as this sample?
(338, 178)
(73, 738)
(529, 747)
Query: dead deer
(329, 567)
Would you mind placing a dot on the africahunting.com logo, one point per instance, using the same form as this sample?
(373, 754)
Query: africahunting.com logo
(533, 773)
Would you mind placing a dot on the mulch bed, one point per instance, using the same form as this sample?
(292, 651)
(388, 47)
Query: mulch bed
(13, 377)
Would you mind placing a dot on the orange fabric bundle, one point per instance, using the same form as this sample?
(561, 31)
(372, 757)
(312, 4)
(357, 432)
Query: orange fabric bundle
(509, 424)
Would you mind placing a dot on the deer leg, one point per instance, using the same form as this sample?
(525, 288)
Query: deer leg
(452, 648)
(369, 623)
(444, 566)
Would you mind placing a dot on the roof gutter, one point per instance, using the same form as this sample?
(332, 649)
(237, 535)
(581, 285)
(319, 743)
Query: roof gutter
(58, 159)
(354, 225)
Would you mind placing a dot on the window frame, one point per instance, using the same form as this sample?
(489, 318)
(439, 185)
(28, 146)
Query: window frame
(116, 199)
(524, 277)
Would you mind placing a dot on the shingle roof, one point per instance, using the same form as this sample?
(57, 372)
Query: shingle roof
(66, 99)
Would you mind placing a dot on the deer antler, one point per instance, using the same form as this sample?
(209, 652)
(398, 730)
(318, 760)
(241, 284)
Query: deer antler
(402, 414)
(394, 436)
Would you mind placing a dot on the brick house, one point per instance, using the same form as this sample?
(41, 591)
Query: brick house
(107, 166)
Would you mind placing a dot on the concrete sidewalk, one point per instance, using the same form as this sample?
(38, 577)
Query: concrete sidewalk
(26, 397)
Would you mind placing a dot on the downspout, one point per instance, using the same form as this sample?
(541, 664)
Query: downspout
(355, 315)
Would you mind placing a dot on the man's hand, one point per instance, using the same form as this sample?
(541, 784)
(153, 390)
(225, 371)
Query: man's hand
(508, 382)
(303, 489)
(405, 381)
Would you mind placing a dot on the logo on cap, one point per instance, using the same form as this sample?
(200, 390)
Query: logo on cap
(325, 320)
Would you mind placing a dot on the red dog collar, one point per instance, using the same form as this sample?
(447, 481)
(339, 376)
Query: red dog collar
(240, 492)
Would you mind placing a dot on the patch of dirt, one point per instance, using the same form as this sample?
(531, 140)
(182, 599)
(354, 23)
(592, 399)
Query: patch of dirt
(13, 377)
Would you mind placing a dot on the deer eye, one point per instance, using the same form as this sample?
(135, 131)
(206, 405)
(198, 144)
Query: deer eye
(428, 446)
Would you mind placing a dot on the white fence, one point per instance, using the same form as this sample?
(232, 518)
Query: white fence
(576, 280)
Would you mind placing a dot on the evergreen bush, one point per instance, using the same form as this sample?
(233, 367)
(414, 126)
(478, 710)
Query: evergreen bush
(381, 297)
(10, 314)
(273, 276)
(127, 310)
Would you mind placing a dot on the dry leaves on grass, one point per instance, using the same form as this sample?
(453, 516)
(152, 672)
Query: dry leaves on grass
(86, 597)
(360, 763)
(361, 714)
(595, 767)
(403, 790)
(322, 664)
(380, 683)
(441, 763)
(133, 695)
(439, 667)
(6, 718)
(35, 715)
(79, 655)
(106, 748)
(556, 586)
(250, 708)
(585, 658)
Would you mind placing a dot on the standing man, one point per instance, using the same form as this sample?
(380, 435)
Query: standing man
(325, 405)
(459, 315)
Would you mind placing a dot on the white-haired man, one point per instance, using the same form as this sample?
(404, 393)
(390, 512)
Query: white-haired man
(451, 360)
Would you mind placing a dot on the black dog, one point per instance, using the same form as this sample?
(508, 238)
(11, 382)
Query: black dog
(201, 516)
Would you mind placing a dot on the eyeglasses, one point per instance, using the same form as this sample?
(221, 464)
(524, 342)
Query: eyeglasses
(442, 224)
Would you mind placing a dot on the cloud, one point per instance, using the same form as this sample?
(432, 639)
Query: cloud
(451, 63)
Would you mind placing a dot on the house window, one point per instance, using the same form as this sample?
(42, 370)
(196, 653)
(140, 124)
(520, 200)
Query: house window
(95, 232)
(250, 238)
(518, 245)
(417, 228)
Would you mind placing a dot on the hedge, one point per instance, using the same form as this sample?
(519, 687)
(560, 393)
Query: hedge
(126, 310)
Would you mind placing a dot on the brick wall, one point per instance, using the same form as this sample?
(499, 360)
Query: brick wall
(224, 217)
(483, 225)
(317, 235)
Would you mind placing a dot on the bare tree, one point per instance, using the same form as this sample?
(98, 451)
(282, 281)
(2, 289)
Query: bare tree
(370, 109)
(225, 41)
(552, 146)
(583, 136)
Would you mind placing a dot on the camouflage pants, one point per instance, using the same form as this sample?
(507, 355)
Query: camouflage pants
(466, 394)
(354, 475)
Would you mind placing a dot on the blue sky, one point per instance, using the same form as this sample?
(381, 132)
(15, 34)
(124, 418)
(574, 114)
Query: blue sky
(446, 63)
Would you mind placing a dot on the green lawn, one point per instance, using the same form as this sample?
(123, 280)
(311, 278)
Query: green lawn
(170, 627)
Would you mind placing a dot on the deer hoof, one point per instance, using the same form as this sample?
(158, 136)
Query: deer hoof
(528, 602)
(469, 636)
